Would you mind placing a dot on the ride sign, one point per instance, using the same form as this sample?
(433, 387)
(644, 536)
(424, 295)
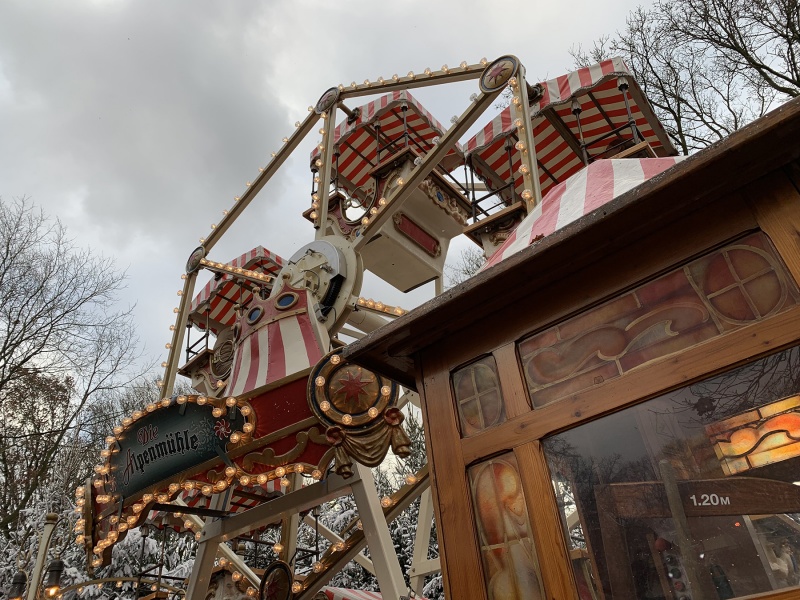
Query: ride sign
(168, 441)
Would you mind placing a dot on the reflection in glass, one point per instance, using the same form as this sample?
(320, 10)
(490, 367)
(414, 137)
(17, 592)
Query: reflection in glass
(509, 559)
(478, 397)
(692, 494)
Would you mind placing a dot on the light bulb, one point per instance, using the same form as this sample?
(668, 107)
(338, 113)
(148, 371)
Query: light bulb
(277, 548)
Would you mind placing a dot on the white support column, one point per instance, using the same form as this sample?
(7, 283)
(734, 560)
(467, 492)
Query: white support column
(50, 522)
(376, 532)
(522, 111)
(420, 564)
(224, 550)
(206, 554)
(326, 156)
(290, 521)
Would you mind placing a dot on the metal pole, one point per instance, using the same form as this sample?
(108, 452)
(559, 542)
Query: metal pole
(50, 522)
(623, 87)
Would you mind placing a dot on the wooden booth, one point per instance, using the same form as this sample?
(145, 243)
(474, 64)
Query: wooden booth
(612, 409)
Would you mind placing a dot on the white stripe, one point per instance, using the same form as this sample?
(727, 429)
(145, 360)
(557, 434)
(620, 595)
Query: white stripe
(263, 355)
(572, 200)
(627, 175)
(574, 79)
(596, 73)
(294, 347)
(552, 87)
(243, 360)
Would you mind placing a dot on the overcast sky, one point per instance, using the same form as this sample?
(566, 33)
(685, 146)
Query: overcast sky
(136, 122)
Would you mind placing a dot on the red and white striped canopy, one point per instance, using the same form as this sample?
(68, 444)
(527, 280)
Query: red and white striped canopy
(590, 188)
(222, 295)
(242, 499)
(334, 593)
(356, 141)
(279, 343)
(596, 88)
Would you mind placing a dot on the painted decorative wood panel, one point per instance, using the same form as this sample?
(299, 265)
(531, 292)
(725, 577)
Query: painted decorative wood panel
(737, 285)
(508, 555)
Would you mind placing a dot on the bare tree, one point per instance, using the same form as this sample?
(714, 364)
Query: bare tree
(470, 260)
(708, 66)
(63, 346)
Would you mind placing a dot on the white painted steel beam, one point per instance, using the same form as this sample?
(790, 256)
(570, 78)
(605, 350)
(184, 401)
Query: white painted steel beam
(298, 501)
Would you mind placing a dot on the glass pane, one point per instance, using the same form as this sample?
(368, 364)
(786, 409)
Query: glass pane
(478, 397)
(510, 566)
(694, 494)
(739, 284)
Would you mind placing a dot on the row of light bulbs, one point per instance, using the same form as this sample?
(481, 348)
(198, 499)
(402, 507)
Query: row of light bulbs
(379, 306)
(516, 100)
(411, 76)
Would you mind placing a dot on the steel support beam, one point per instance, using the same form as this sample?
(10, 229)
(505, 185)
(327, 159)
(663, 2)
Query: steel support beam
(298, 501)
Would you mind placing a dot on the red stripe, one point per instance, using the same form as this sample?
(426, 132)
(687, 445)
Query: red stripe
(276, 367)
(313, 350)
(654, 166)
(564, 91)
(546, 224)
(252, 373)
(599, 185)
(585, 77)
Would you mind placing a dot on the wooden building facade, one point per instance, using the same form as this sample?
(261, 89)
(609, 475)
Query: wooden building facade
(613, 412)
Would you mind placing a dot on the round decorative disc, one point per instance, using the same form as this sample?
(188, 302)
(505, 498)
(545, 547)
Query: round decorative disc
(347, 395)
(327, 100)
(195, 257)
(497, 73)
(277, 582)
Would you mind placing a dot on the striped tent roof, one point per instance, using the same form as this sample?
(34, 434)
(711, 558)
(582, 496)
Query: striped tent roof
(596, 88)
(357, 146)
(222, 295)
(587, 190)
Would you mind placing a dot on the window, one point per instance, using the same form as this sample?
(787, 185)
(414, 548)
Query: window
(478, 397)
(694, 494)
(510, 566)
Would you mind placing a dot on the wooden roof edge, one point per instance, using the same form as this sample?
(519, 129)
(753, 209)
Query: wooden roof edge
(757, 149)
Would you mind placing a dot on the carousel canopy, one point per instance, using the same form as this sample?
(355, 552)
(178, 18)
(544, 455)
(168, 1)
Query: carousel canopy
(387, 124)
(216, 302)
(587, 190)
(600, 93)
